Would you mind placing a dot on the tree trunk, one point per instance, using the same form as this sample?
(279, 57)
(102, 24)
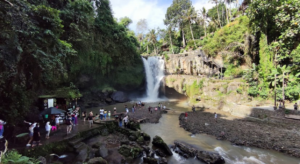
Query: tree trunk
(183, 38)
(204, 25)
(283, 97)
(275, 80)
(171, 43)
(147, 49)
(227, 13)
(218, 14)
(192, 34)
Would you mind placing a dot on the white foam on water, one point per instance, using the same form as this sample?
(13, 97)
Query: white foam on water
(236, 160)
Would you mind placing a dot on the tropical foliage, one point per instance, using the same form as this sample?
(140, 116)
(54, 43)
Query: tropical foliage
(45, 45)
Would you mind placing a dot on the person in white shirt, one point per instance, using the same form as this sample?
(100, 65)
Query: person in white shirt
(57, 121)
(32, 126)
(101, 113)
(48, 129)
(125, 119)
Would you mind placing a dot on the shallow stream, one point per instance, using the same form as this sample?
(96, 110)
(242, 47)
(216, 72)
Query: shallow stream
(168, 128)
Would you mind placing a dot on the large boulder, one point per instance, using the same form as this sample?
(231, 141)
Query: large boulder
(159, 142)
(103, 152)
(130, 151)
(205, 156)
(186, 148)
(210, 157)
(97, 160)
(119, 96)
(149, 160)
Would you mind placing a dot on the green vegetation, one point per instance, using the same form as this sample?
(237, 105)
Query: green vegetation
(45, 46)
(16, 158)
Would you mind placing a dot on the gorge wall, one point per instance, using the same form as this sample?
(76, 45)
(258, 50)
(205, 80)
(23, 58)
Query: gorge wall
(197, 76)
(193, 63)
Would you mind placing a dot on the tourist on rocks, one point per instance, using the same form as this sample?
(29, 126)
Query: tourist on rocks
(76, 117)
(125, 121)
(127, 110)
(69, 125)
(120, 121)
(101, 113)
(90, 119)
(216, 116)
(57, 121)
(109, 114)
(185, 116)
(160, 105)
(36, 135)
(48, 129)
(96, 117)
(2, 123)
(73, 118)
(132, 109)
(83, 115)
(149, 109)
(53, 125)
(295, 106)
(193, 108)
(31, 127)
(105, 114)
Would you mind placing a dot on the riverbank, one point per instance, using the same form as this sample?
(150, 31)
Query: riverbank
(143, 115)
(267, 132)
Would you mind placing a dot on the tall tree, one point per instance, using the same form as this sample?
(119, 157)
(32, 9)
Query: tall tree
(175, 15)
(204, 15)
(141, 26)
(190, 16)
(153, 39)
(169, 30)
(217, 5)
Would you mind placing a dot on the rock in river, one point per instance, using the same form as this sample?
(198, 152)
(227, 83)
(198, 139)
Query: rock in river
(205, 156)
(159, 142)
(119, 96)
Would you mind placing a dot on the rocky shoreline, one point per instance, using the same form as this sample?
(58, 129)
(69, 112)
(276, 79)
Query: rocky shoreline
(265, 132)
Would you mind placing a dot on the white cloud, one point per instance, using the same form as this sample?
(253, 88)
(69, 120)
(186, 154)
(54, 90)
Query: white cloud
(152, 10)
(199, 4)
(140, 9)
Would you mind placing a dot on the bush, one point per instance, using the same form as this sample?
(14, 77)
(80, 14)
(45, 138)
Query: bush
(176, 49)
(16, 158)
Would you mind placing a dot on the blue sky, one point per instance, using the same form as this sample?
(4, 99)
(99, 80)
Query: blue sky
(152, 10)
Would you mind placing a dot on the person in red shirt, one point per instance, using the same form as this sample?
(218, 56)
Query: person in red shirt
(185, 116)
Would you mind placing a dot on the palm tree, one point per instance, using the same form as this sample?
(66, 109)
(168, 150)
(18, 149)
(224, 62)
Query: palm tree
(152, 39)
(190, 16)
(217, 5)
(204, 14)
(169, 30)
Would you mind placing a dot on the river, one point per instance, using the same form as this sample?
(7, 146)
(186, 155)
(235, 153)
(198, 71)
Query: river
(168, 128)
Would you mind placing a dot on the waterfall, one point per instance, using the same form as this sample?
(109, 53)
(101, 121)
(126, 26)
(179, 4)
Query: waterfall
(154, 67)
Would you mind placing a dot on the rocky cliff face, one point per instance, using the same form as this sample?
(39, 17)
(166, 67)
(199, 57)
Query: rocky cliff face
(193, 63)
(226, 95)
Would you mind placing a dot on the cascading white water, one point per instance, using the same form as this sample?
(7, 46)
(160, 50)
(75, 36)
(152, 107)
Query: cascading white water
(154, 67)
